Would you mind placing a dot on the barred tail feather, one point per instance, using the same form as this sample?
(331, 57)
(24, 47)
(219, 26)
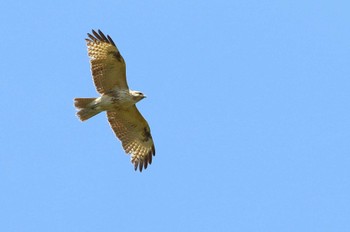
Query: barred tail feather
(85, 110)
(81, 103)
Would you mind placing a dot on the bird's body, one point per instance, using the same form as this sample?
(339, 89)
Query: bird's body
(109, 75)
(114, 100)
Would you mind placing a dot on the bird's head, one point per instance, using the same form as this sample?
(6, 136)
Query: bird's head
(137, 95)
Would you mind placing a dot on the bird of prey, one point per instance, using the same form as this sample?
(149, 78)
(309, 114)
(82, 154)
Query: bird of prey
(109, 76)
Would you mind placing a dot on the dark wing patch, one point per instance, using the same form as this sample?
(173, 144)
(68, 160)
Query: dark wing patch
(134, 133)
(107, 65)
(146, 134)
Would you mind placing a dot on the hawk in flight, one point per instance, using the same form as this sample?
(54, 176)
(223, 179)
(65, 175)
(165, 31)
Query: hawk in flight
(109, 76)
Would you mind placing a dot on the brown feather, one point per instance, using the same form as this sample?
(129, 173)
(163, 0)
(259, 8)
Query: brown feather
(103, 36)
(129, 126)
(110, 40)
(92, 37)
(97, 36)
(107, 65)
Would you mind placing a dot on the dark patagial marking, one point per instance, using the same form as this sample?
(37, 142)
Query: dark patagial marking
(146, 134)
(117, 56)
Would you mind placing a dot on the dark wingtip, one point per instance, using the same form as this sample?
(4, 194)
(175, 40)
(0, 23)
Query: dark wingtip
(100, 37)
(111, 41)
(91, 37)
(97, 35)
(153, 150)
(142, 164)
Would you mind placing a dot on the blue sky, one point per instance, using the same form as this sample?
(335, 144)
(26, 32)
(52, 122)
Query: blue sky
(248, 103)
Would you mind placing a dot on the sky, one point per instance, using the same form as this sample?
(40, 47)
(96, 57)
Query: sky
(247, 100)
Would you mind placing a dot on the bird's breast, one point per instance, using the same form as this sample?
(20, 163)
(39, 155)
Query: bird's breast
(116, 100)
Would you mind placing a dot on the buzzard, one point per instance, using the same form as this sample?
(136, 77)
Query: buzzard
(109, 76)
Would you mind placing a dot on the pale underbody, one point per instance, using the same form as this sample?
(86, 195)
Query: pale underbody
(114, 101)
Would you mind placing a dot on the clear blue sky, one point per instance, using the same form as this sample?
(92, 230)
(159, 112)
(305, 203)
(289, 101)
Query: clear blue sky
(248, 103)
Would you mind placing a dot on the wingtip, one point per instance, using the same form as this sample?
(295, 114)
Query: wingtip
(93, 31)
(142, 164)
(138, 165)
(99, 36)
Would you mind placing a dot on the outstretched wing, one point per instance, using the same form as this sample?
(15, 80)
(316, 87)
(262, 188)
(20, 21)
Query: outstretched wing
(134, 133)
(107, 65)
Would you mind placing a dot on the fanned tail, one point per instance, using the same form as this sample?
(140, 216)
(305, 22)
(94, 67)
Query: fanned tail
(86, 110)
